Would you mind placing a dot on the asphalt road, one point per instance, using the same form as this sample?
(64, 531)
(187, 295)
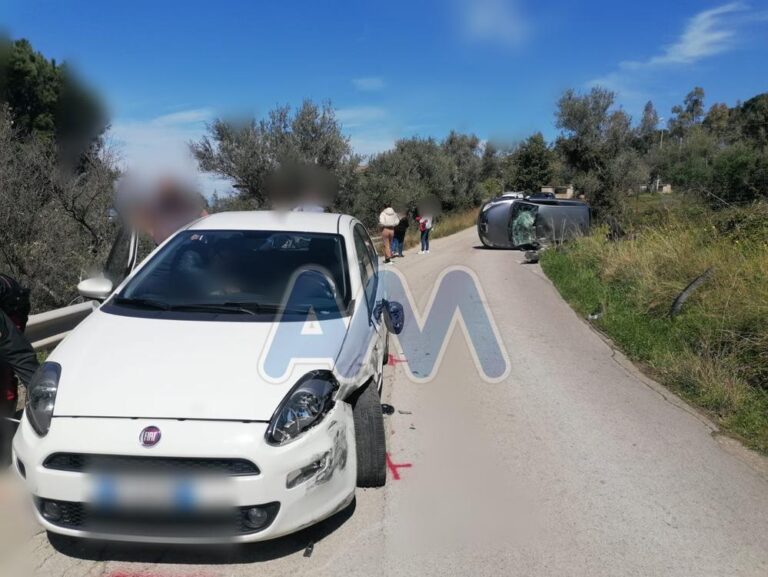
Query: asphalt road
(574, 465)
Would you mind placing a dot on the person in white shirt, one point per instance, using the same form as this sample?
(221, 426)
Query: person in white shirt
(388, 220)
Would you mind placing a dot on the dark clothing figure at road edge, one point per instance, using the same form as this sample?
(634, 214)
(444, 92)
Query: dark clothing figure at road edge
(16, 351)
(17, 357)
(425, 226)
(388, 220)
(398, 243)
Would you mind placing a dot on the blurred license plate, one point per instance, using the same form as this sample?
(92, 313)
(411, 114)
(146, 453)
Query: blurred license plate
(145, 492)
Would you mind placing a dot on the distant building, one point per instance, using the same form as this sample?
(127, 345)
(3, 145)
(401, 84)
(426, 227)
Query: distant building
(657, 187)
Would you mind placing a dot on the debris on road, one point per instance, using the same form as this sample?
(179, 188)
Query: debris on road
(387, 409)
(310, 548)
(597, 314)
(402, 412)
(531, 256)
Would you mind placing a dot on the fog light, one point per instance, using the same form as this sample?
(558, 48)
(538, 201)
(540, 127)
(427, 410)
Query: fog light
(256, 518)
(51, 511)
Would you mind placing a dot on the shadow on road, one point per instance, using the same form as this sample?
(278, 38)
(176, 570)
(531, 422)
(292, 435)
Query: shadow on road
(93, 550)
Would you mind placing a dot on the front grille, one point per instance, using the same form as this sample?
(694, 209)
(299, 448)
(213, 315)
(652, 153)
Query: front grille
(85, 462)
(161, 523)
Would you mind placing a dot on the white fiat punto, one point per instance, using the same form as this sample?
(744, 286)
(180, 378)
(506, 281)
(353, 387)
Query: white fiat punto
(228, 390)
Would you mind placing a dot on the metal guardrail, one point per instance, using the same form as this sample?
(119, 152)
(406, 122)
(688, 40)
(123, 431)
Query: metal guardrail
(46, 330)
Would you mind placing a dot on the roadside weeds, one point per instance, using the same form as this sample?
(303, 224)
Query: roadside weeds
(714, 354)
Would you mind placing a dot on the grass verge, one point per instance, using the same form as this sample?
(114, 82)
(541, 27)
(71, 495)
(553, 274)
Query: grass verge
(715, 352)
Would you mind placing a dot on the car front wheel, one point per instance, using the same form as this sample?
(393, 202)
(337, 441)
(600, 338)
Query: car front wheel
(370, 440)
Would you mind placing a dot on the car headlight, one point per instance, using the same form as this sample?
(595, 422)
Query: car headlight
(303, 407)
(41, 396)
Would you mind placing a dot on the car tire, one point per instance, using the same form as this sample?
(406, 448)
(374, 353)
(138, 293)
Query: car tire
(370, 441)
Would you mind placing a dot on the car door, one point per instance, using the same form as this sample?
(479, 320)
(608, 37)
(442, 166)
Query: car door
(368, 264)
(122, 256)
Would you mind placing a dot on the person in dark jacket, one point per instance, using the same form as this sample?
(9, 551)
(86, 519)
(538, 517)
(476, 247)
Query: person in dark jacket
(398, 242)
(16, 351)
(17, 357)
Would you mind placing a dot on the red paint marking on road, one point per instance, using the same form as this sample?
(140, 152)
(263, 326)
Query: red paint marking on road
(393, 467)
(393, 360)
(119, 573)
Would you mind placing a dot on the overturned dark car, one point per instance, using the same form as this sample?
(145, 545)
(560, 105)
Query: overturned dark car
(510, 222)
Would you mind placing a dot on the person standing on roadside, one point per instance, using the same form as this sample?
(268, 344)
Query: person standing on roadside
(398, 243)
(388, 220)
(17, 357)
(425, 226)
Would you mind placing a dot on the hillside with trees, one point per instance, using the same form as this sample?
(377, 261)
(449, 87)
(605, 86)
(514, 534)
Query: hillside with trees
(56, 175)
(718, 155)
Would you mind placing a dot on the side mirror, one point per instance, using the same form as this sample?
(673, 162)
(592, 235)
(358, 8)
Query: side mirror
(97, 288)
(394, 317)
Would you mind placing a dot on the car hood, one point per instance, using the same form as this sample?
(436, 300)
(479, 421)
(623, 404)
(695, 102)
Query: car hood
(124, 366)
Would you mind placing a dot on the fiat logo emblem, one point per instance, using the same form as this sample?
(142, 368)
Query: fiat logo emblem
(149, 437)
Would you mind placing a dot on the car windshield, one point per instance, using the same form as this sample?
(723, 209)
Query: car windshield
(242, 271)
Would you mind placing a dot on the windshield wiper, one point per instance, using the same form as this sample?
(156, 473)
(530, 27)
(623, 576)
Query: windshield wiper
(164, 306)
(213, 307)
(142, 302)
(298, 310)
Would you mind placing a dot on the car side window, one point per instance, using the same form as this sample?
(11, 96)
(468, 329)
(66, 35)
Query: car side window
(367, 262)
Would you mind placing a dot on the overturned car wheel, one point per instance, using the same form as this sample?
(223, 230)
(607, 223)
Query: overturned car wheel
(369, 438)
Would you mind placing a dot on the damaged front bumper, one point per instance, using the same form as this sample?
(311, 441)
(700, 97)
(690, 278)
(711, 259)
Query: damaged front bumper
(295, 485)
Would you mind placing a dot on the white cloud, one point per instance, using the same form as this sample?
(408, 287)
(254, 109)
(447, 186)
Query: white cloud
(370, 128)
(708, 33)
(195, 115)
(369, 83)
(372, 142)
(355, 116)
(499, 21)
(161, 144)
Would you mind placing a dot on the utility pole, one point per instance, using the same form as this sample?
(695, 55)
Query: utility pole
(661, 144)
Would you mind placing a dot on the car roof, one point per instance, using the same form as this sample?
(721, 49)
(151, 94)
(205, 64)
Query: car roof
(273, 220)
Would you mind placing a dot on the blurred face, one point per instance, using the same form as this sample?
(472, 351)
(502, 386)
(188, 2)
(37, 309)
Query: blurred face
(158, 207)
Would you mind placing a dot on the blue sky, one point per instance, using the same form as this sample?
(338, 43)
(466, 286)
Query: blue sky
(392, 69)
